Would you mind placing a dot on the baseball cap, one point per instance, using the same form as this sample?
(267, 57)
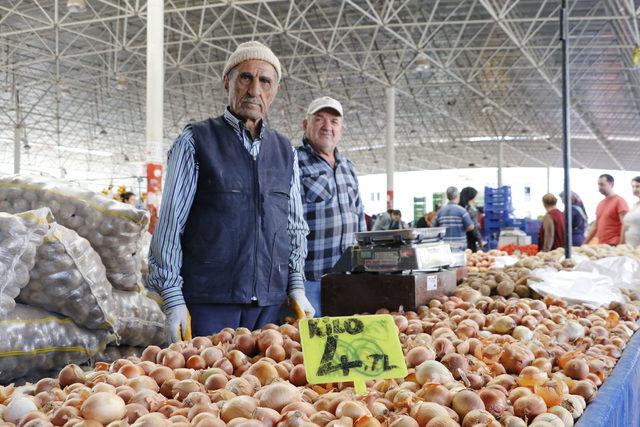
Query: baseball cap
(324, 102)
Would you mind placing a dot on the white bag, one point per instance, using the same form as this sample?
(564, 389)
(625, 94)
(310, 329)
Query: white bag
(623, 270)
(577, 287)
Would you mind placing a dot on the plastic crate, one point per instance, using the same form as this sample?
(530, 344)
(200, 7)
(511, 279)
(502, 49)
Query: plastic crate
(500, 191)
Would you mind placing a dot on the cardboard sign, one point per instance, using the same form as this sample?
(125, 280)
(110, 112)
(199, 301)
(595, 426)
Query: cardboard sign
(351, 348)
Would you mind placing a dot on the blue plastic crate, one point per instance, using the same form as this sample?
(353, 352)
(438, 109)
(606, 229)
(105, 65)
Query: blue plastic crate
(500, 191)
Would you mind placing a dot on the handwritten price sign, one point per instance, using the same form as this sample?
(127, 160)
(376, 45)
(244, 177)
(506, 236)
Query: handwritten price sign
(351, 348)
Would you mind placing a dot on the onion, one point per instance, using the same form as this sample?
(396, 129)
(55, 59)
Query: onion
(522, 333)
(502, 325)
(161, 374)
(304, 407)
(205, 419)
(465, 401)
(240, 387)
(423, 412)
(550, 419)
(513, 421)
(479, 417)
(529, 407)
(519, 392)
(551, 392)
(70, 374)
(267, 416)
(64, 414)
(103, 407)
(442, 422)
(516, 357)
(431, 371)
(564, 415)
(277, 395)
(584, 388)
(298, 375)
(456, 363)
(133, 411)
(147, 398)
(494, 401)
(181, 389)
(225, 365)
(578, 369)
(240, 406)
(322, 418)
(435, 393)
(196, 362)
(173, 360)
(264, 371)
(404, 421)
(211, 355)
(18, 407)
(531, 376)
(267, 338)
(276, 352)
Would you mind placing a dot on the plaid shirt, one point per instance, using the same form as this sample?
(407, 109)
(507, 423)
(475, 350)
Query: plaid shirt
(332, 208)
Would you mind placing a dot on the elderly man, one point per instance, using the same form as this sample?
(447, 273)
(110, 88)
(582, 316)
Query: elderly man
(231, 270)
(456, 219)
(332, 205)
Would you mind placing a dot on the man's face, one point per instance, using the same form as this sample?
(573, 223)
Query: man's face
(323, 129)
(132, 200)
(251, 87)
(604, 187)
(395, 217)
(635, 186)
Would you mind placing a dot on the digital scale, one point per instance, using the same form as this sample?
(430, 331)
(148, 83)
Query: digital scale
(394, 251)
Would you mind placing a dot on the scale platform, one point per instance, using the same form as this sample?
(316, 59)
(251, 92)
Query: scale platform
(392, 251)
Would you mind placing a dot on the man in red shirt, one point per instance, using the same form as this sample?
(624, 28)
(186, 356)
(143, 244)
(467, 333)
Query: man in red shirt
(609, 214)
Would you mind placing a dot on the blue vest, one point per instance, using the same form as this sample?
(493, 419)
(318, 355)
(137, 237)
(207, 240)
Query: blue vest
(235, 243)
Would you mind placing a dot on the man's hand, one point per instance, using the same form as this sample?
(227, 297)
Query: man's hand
(178, 324)
(300, 305)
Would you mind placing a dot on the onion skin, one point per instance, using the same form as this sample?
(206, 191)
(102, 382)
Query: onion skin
(466, 401)
(529, 407)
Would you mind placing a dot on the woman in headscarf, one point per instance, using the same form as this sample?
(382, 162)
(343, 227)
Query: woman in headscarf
(468, 201)
(579, 219)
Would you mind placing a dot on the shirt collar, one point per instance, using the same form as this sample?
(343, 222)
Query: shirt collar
(237, 123)
(309, 147)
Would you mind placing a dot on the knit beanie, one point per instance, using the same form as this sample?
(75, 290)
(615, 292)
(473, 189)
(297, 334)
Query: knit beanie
(252, 50)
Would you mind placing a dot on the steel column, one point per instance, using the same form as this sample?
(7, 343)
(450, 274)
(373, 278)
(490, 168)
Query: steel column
(566, 130)
(390, 110)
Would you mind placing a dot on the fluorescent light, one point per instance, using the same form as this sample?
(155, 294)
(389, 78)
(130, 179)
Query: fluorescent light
(76, 6)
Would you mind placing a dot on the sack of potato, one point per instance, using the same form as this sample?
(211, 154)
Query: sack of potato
(20, 237)
(112, 228)
(69, 278)
(32, 339)
(140, 320)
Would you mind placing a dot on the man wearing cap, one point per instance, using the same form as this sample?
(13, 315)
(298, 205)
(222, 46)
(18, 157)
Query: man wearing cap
(332, 204)
(231, 270)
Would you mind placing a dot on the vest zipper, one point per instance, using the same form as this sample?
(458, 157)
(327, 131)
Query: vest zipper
(256, 190)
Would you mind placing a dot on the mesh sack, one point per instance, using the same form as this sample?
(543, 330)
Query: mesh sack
(113, 352)
(69, 279)
(113, 228)
(140, 320)
(20, 236)
(32, 339)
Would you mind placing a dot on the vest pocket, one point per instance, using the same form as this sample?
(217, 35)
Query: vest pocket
(279, 275)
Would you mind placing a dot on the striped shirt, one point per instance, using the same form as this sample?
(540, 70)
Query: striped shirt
(332, 207)
(456, 219)
(165, 255)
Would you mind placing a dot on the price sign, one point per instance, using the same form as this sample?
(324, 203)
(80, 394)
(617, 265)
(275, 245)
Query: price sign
(351, 348)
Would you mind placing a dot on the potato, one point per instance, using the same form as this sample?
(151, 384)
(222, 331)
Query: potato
(140, 320)
(69, 279)
(58, 340)
(113, 228)
(20, 236)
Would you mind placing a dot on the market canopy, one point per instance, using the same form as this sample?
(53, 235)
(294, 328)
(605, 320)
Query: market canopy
(467, 75)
